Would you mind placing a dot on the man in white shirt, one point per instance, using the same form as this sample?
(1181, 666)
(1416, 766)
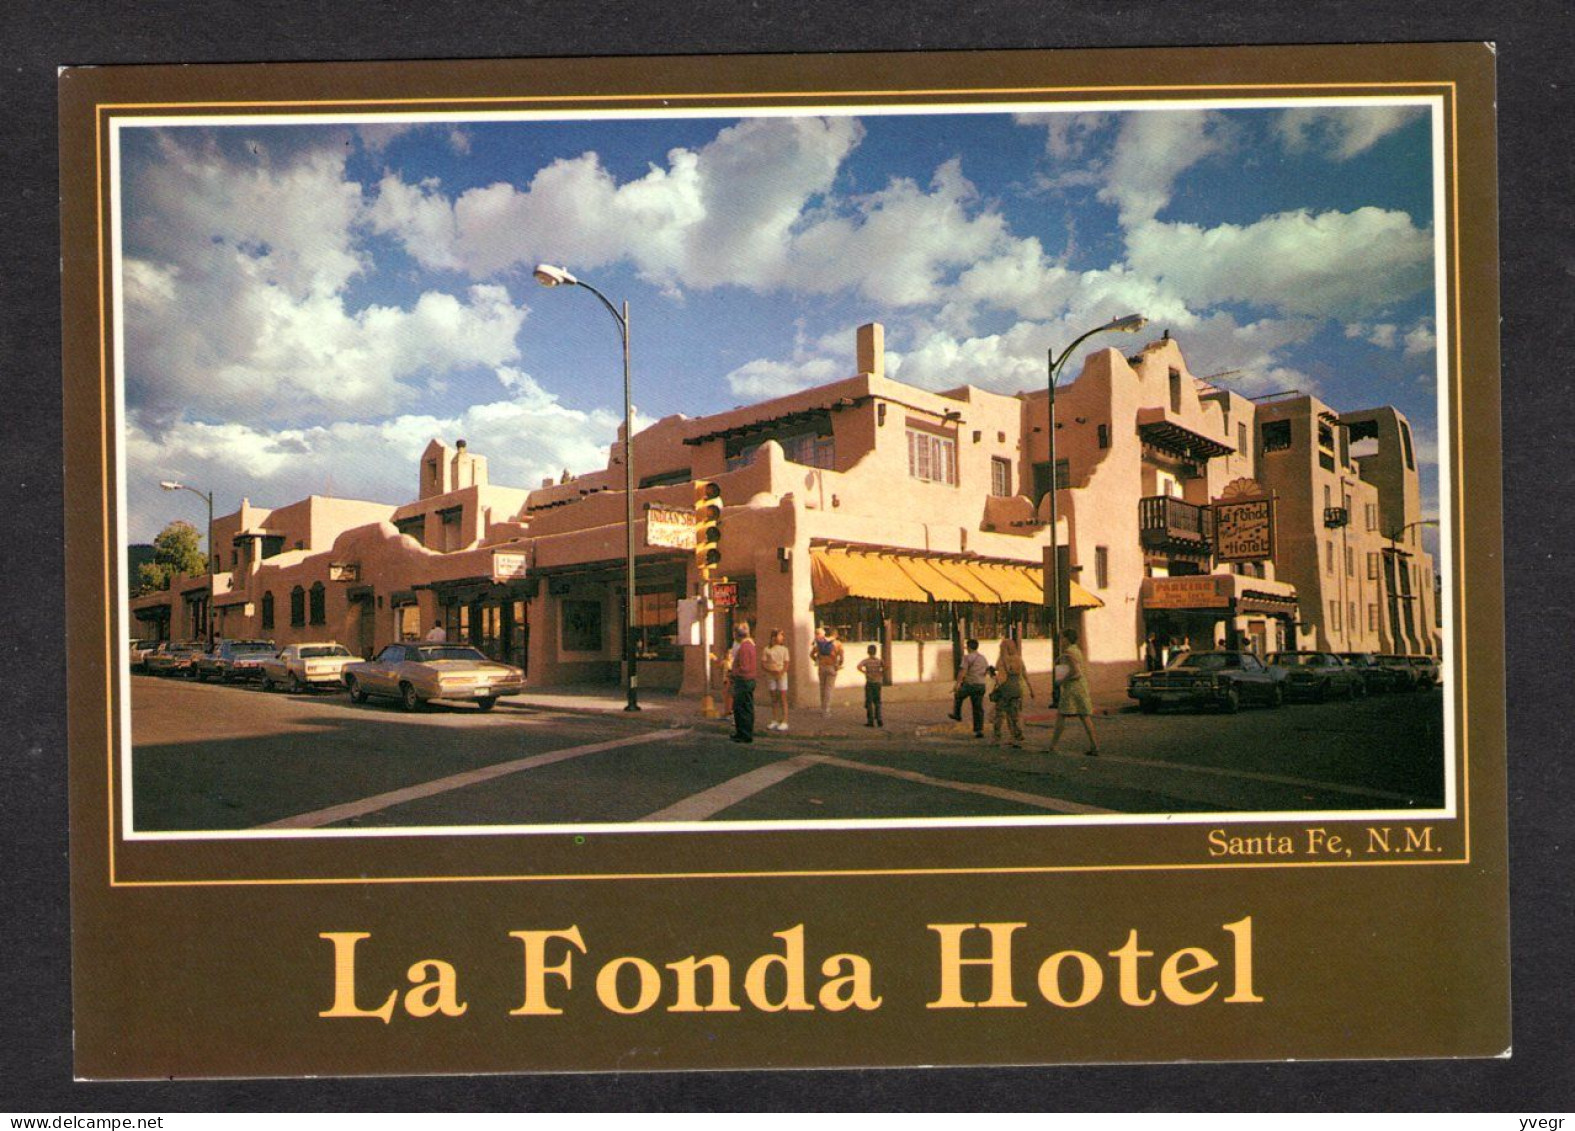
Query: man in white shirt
(973, 675)
(437, 634)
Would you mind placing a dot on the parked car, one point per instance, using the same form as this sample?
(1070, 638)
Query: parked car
(138, 652)
(1376, 675)
(173, 657)
(1405, 676)
(1208, 679)
(303, 666)
(419, 673)
(1426, 668)
(230, 660)
(1318, 676)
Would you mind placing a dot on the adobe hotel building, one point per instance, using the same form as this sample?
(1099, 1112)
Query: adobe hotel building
(905, 518)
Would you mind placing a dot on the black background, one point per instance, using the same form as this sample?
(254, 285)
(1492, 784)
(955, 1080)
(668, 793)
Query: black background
(1538, 260)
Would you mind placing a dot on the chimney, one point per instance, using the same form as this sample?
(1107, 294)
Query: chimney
(872, 349)
(459, 445)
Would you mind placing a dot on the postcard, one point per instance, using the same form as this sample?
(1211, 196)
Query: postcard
(829, 561)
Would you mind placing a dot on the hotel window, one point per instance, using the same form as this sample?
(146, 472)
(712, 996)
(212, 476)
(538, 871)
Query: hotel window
(1372, 565)
(807, 442)
(319, 603)
(1328, 499)
(1334, 616)
(297, 607)
(1175, 390)
(1000, 476)
(267, 610)
(1328, 557)
(1104, 435)
(1276, 436)
(1353, 622)
(1372, 618)
(1372, 516)
(931, 458)
(1405, 439)
(1101, 567)
(1350, 564)
(1241, 439)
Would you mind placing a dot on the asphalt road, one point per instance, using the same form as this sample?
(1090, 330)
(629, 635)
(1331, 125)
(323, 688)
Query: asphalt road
(210, 757)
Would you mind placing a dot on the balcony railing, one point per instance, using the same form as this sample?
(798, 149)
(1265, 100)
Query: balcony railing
(1168, 523)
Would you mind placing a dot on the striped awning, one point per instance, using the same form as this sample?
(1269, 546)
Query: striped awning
(838, 573)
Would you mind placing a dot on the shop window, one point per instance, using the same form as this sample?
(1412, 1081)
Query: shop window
(407, 622)
(582, 626)
(297, 607)
(856, 620)
(267, 610)
(319, 603)
(656, 626)
(1101, 567)
(1000, 476)
(1276, 435)
(932, 458)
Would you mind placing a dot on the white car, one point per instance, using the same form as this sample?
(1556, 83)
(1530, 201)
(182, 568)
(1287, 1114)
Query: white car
(301, 667)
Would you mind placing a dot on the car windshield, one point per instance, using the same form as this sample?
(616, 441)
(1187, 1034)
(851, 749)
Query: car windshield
(324, 650)
(185, 648)
(251, 646)
(447, 652)
(1205, 661)
(1296, 659)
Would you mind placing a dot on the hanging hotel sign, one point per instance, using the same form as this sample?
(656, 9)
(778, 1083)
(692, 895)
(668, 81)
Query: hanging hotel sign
(670, 527)
(1244, 523)
(348, 572)
(1199, 592)
(510, 565)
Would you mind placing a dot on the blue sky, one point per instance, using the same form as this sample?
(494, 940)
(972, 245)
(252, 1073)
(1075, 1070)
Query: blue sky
(307, 305)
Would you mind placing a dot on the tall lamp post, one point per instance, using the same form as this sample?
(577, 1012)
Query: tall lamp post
(1130, 324)
(549, 276)
(207, 497)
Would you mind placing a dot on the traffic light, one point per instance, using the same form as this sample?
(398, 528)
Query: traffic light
(708, 526)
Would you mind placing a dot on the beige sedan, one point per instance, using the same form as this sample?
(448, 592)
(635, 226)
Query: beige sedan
(303, 666)
(419, 673)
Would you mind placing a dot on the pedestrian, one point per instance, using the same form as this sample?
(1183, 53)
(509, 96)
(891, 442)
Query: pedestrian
(437, 634)
(774, 662)
(744, 667)
(1011, 685)
(973, 677)
(828, 662)
(1153, 654)
(1072, 697)
(874, 669)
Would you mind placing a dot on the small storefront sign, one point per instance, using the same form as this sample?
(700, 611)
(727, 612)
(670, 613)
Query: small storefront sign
(510, 565)
(724, 595)
(670, 527)
(1202, 592)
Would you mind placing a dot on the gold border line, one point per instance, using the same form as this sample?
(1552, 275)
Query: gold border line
(1447, 89)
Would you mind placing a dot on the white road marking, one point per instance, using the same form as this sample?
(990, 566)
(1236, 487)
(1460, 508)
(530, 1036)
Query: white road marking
(708, 803)
(1249, 775)
(349, 809)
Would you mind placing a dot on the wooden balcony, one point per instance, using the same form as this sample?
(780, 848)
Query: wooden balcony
(1169, 524)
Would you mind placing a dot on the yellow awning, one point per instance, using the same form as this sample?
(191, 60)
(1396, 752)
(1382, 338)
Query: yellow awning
(939, 585)
(969, 577)
(1080, 598)
(1013, 583)
(835, 574)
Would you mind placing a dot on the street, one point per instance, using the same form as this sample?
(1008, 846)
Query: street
(212, 757)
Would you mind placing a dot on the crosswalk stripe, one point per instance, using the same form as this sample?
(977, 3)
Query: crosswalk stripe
(1037, 800)
(1250, 775)
(344, 812)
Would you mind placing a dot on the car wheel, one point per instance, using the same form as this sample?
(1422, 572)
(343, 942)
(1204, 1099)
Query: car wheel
(227, 677)
(408, 697)
(1148, 706)
(267, 682)
(297, 684)
(202, 676)
(357, 694)
(487, 704)
(1232, 701)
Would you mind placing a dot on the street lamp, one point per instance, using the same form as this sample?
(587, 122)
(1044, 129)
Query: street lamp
(1130, 324)
(549, 276)
(171, 485)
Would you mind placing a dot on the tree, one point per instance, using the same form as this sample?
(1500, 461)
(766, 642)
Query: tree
(174, 551)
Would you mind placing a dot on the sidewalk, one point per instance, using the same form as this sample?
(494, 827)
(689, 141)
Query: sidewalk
(904, 718)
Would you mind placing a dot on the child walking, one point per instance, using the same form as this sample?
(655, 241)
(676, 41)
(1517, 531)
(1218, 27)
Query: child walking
(874, 669)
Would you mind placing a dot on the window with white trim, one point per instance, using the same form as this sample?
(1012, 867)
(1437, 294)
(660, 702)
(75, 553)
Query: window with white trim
(932, 458)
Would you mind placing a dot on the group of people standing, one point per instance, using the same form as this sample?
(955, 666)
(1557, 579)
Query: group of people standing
(975, 677)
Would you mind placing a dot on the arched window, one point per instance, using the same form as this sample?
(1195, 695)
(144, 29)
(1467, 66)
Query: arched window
(319, 610)
(267, 610)
(297, 607)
